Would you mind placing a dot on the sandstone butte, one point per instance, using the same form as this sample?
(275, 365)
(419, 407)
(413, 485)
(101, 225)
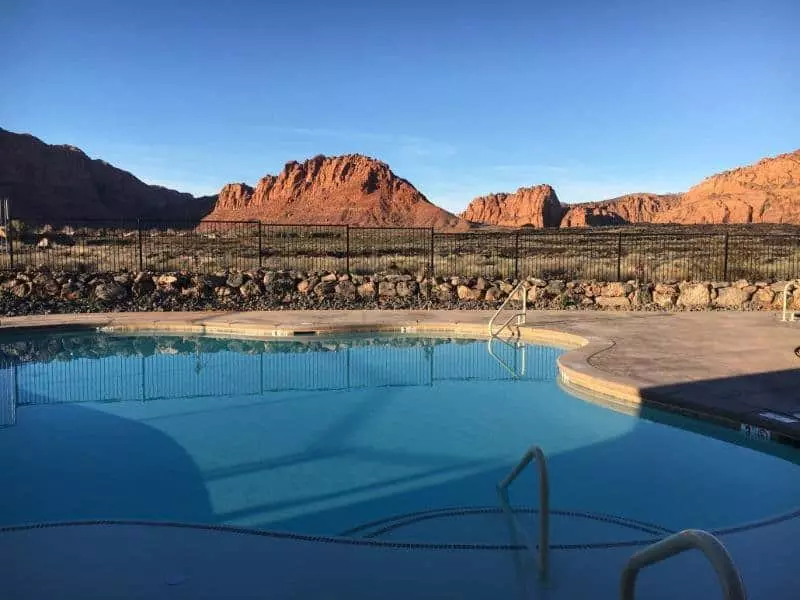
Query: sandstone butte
(765, 192)
(536, 206)
(54, 182)
(350, 189)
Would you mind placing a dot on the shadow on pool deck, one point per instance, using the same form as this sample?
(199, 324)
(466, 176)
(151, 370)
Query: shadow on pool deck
(740, 399)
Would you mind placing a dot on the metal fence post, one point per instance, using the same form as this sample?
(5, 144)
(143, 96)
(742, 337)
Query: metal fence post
(516, 255)
(725, 260)
(619, 256)
(10, 238)
(139, 243)
(260, 250)
(347, 248)
(433, 264)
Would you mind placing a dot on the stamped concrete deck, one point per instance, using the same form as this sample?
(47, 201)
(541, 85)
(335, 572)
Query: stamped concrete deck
(731, 365)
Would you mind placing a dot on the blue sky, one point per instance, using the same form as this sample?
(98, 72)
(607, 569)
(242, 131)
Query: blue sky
(463, 98)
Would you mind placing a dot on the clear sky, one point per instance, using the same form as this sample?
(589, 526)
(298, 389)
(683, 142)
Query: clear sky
(596, 97)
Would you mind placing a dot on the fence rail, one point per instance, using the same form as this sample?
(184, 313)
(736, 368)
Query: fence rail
(654, 253)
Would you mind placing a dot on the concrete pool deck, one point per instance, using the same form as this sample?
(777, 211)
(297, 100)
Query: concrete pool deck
(734, 368)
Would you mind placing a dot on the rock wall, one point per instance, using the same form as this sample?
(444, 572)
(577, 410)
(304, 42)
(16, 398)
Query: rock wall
(42, 291)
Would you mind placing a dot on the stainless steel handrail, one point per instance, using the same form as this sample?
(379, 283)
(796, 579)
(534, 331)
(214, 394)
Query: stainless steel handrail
(716, 553)
(792, 315)
(533, 453)
(520, 316)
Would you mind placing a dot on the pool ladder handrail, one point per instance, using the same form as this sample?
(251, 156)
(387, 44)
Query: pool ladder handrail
(517, 347)
(520, 316)
(729, 577)
(534, 453)
(792, 314)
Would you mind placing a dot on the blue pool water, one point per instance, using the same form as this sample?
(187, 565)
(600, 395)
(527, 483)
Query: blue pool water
(320, 436)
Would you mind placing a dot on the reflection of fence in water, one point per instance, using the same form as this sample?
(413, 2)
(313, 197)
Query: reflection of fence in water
(226, 374)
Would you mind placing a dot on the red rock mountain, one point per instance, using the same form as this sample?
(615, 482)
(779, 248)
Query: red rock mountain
(631, 208)
(350, 189)
(537, 206)
(765, 192)
(55, 183)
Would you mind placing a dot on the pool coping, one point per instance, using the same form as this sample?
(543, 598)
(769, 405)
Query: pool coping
(576, 372)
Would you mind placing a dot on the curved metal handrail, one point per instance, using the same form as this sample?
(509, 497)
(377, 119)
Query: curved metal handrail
(533, 453)
(520, 316)
(716, 553)
(788, 285)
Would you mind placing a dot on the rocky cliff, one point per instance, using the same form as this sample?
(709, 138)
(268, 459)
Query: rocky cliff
(537, 206)
(350, 189)
(54, 183)
(765, 192)
(631, 208)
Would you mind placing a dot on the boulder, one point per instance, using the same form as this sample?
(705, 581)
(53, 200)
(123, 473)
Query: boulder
(142, 286)
(325, 288)
(304, 286)
(764, 297)
(250, 289)
(72, 290)
(695, 295)
(236, 279)
(555, 287)
(493, 294)
(387, 289)
(616, 289)
(506, 287)
(406, 289)
(167, 280)
(732, 297)
(613, 302)
(22, 289)
(366, 290)
(468, 294)
(445, 292)
(346, 289)
(110, 292)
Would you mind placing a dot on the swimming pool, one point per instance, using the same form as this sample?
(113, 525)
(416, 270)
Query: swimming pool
(389, 438)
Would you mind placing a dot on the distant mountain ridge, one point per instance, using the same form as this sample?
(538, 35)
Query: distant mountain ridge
(58, 182)
(765, 192)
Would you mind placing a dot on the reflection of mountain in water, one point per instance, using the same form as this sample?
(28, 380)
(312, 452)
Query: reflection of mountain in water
(101, 367)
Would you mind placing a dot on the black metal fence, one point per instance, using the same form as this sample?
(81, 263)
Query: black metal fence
(650, 253)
